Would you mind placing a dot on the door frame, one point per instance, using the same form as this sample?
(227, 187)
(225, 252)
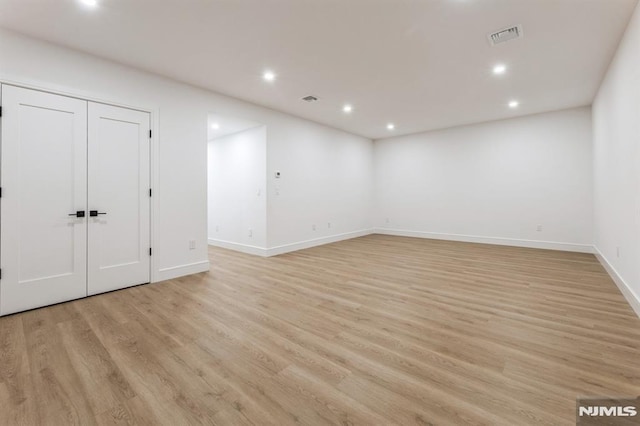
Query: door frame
(154, 117)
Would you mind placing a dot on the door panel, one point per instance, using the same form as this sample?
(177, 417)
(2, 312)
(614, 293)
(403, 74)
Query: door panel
(44, 168)
(119, 187)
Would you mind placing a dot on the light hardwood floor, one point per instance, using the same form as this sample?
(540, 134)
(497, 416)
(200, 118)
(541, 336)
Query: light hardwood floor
(377, 330)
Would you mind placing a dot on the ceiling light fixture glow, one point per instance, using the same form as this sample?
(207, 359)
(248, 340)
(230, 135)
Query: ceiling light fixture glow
(514, 104)
(269, 76)
(391, 126)
(347, 108)
(90, 3)
(215, 126)
(499, 69)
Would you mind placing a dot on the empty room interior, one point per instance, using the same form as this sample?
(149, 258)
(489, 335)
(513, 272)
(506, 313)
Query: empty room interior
(310, 212)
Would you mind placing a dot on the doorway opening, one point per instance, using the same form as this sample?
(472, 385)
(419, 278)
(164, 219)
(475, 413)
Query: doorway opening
(236, 181)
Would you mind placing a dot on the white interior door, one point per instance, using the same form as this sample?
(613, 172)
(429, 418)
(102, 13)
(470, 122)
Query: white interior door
(119, 144)
(43, 173)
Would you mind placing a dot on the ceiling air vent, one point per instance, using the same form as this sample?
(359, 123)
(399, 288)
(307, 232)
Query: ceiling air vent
(506, 34)
(310, 98)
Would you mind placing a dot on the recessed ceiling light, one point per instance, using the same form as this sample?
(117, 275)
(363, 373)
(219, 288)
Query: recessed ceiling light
(499, 69)
(90, 3)
(347, 108)
(269, 76)
(514, 104)
(215, 126)
(391, 126)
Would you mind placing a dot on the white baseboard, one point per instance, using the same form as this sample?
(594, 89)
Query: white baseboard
(274, 251)
(182, 270)
(287, 248)
(548, 245)
(632, 298)
(244, 248)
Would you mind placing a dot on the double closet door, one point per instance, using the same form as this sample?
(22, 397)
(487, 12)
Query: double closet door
(75, 206)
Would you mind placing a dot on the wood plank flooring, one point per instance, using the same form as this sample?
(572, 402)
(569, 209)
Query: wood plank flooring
(377, 330)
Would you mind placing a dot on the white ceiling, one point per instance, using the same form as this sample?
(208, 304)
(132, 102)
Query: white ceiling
(419, 64)
(227, 125)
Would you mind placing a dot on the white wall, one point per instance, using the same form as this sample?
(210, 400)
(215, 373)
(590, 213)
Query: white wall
(181, 113)
(237, 180)
(326, 180)
(616, 128)
(493, 182)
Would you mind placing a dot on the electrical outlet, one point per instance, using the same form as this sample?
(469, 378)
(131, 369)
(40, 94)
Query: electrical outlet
(250, 233)
(192, 244)
(617, 251)
(539, 228)
(217, 228)
(329, 225)
(313, 227)
(387, 221)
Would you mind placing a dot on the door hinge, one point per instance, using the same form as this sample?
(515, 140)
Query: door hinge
(0, 111)
(0, 192)
(150, 251)
(150, 192)
(149, 134)
(0, 274)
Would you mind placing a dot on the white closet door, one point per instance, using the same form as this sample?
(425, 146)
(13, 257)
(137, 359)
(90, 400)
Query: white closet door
(119, 192)
(44, 183)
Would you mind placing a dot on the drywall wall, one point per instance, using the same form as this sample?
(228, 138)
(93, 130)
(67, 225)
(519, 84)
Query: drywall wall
(180, 124)
(494, 182)
(325, 189)
(237, 190)
(616, 130)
